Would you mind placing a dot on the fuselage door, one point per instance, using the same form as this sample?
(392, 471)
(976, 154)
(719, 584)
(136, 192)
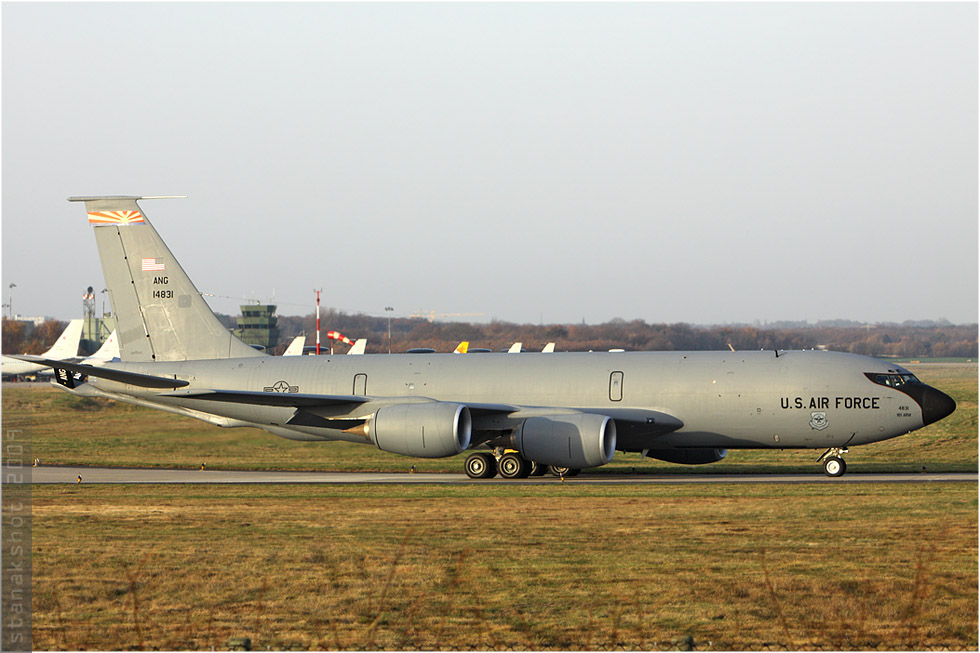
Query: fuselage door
(360, 385)
(616, 386)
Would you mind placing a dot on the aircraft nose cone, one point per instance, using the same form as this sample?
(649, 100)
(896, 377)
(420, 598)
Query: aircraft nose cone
(935, 405)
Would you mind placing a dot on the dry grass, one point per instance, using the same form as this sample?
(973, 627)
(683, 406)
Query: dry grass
(557, 567)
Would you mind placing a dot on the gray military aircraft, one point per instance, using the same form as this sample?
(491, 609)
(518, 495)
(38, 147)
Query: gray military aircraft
(568, 411)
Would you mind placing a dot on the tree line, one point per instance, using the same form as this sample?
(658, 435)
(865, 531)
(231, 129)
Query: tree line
(24, 338)
(938, 340)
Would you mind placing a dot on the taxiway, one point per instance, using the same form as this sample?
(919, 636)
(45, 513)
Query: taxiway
(57, 474)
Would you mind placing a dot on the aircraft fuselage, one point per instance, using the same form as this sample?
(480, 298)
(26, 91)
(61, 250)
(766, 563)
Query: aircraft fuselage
(727, 400)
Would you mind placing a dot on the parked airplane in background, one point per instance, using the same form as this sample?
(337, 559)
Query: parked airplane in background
(109, 351)
(358, 347)
(295, 348)
(565, 410)
(66, 346)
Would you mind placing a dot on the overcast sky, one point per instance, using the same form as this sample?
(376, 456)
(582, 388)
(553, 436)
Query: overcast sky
(705, 163)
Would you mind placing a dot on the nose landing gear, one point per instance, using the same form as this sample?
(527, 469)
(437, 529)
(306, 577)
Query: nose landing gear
(833, 461)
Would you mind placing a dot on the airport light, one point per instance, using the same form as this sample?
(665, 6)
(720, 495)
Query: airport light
(10, 301)
(388, 311)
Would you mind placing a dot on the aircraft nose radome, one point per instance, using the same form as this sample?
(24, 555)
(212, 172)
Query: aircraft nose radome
(936, 405)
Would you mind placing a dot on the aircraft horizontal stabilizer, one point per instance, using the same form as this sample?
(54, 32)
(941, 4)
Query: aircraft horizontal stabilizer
(288, 399)
(132, 378)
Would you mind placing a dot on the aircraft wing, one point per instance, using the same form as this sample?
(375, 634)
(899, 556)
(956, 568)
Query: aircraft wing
(638, 421)
(641, 421)
(288, 399)
(635, 426)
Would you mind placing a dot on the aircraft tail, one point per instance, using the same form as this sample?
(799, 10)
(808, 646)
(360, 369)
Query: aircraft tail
(108, 351)
(66, 345)
(359, 346)
(160, 315)
(462, 347)
(295, 348)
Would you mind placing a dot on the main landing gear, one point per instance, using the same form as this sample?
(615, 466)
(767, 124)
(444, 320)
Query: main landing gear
(510, 464)
(833, 461)
(480, 465)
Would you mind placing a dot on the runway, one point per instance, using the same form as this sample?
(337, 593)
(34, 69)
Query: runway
(101, 475)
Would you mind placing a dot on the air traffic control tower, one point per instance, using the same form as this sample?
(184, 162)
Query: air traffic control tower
(95, 330)
(258, 325)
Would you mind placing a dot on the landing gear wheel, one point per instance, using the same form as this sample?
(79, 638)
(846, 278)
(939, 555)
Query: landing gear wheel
(512, 465)
(480, 465)
(537, 469)
(562, 471)
(834, 466)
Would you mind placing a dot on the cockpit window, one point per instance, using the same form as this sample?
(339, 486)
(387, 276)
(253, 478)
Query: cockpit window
(892, 380)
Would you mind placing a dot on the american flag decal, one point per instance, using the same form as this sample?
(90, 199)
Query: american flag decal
(152, 265)
(116, 217)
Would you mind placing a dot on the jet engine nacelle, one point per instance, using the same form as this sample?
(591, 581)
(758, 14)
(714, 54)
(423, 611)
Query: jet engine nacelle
(576, 441)
(429, 430)
(697, 456)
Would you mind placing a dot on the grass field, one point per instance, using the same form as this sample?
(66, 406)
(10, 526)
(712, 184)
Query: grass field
(70, 430)
(561, 566)
(573, 567)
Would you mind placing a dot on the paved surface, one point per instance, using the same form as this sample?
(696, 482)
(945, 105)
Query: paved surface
(45, 474)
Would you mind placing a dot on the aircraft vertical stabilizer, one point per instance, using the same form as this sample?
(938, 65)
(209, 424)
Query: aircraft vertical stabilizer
(160, 315)
(66, 345)
(295, 348)
(108, 351)
(358, 348)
